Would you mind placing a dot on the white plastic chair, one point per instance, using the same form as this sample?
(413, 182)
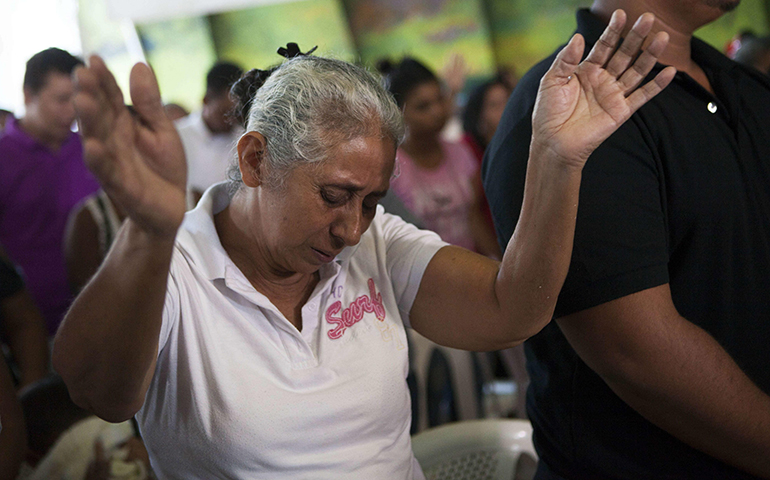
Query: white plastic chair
(465, 380)
(492, 449)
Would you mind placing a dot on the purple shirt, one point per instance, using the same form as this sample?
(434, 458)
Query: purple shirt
(38, 188)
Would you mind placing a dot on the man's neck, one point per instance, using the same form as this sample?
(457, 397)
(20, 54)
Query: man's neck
(32, 129)
(679, 26)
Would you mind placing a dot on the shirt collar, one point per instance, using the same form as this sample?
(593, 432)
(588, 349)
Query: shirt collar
(199, 240)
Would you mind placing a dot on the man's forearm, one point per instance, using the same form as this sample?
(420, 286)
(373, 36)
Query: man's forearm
(699, 395)
(675, 375)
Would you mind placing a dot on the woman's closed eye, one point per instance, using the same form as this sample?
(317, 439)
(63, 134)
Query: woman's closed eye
(370, 203)
(334, 198)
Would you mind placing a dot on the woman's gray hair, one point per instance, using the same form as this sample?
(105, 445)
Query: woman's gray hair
(309, 105)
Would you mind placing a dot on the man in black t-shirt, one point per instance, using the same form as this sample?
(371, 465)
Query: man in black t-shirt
(658, 363)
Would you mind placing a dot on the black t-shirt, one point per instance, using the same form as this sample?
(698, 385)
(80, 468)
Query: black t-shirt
(680, 194)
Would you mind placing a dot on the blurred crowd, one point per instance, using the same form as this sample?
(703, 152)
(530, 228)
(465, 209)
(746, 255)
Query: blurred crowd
(57, 225)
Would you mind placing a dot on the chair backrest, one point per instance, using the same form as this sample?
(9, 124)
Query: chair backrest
(492, 449)
(462, 380)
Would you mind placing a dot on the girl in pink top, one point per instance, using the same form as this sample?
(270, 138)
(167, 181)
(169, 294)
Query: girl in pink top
(438, 179)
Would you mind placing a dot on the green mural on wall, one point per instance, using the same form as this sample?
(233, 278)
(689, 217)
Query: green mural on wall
(524, 32)
(180, 51)
(750, 15)
(251, 37)
(430, 31)
(487, 33)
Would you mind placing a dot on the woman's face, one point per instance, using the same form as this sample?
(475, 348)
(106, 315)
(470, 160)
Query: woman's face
(495, 99)
(425, 111)
(325, 207)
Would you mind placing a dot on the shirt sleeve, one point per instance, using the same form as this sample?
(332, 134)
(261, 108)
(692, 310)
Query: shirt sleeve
(621, 244)
(171, 304)
(621, 239)
(408, 252)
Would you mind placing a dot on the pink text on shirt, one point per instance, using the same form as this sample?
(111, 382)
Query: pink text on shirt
(355, 311)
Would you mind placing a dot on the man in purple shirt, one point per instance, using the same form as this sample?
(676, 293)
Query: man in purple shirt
(42, 176)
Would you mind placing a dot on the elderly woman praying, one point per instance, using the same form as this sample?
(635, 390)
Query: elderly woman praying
(262, 334)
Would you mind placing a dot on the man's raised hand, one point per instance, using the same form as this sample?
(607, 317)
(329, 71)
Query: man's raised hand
(580, 104)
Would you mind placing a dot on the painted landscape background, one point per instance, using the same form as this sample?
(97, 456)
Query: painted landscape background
(489, 34)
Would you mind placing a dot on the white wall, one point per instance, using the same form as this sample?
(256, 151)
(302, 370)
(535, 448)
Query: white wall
(27, 27)
(154, 10)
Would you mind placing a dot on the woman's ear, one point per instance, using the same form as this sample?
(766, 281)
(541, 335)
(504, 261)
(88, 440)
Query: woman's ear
(252, 150)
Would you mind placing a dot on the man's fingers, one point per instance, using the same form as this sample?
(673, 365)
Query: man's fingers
(567, 60)
(645, 93)
(629, 49)
(644, 64)
(605, 46)
(145, 96)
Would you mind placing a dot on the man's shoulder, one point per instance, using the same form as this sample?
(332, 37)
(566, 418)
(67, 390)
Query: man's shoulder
(9, 140)
(16, 151)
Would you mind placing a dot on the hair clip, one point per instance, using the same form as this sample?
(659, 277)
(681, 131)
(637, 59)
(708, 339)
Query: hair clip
(292, 50)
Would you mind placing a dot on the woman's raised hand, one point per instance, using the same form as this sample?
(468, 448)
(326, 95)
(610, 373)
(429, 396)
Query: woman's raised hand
(580, 104)
(138, 158)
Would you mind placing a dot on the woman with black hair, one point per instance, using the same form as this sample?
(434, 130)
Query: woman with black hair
(481, 115)
(439, 180)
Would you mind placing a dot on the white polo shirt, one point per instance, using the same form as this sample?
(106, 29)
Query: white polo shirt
(208, 154)
(240, 393)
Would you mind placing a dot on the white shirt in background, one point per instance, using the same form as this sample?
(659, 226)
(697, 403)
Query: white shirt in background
(208, 154)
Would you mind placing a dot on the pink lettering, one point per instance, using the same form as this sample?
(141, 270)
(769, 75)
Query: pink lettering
(355, 311)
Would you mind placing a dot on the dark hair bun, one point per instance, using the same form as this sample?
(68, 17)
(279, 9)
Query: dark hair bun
(244, 90)
(384, 66)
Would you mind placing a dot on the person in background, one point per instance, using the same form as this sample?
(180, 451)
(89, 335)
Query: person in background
(66, 442)
(42, 176)
(21, 327)
(754, 52)
(174, 111)
(480, 117)
(5, 115)
(657, 363)
(262, 334)
(91, 229)
(437, 180)
(209, 135)
(482, 114)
